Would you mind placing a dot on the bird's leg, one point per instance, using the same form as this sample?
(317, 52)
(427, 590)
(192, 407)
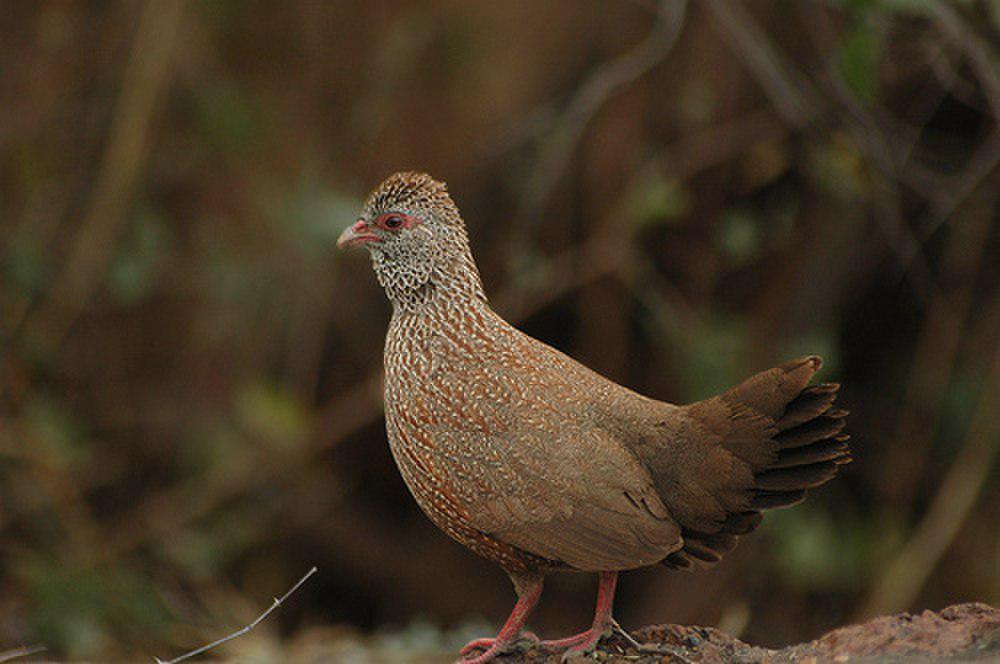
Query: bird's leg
(586, 641)
(529, 590)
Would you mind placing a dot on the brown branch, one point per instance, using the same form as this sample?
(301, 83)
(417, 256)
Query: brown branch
(606, 81)
(944, 194)
(980, 167)
(146, 76)
(981, 58)
(905, 575)
(936, 351)
(788, 90)
(700, 150)
(796, 99)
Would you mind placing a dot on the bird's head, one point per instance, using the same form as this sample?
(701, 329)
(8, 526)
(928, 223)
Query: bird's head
(417, 241)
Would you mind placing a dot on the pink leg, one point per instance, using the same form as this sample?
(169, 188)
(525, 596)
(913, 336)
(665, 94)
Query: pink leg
(529, 590)
(586, 641)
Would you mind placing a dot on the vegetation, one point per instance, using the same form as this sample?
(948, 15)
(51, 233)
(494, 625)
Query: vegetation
(678, 195)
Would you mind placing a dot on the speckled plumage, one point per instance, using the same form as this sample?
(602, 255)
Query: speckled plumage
(538, 463)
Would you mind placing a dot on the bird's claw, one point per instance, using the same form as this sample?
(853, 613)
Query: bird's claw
(581, 644)
(477, 644)
(490, 646)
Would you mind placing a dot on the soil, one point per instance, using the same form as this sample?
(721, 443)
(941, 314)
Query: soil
(964, 632)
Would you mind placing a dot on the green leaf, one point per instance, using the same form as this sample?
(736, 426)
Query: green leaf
(839, 168)
(137, 265)
(528, 269)
(858, 60)
(740, 234)
(23, 264)
(272, 413)
(656, 199)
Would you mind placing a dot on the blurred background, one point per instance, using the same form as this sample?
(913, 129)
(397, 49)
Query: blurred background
(677, 194)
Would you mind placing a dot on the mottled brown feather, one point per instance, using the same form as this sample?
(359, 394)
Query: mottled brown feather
(538, 463)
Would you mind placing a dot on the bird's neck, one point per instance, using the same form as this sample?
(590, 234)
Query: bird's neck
(455, 282)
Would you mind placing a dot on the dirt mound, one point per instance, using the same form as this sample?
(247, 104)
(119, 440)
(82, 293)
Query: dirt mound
(964, 632)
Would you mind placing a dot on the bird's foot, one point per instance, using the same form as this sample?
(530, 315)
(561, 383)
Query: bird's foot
(583, 643)
(493, 648)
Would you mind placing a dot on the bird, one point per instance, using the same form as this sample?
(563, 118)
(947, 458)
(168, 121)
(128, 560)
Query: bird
(541, 465)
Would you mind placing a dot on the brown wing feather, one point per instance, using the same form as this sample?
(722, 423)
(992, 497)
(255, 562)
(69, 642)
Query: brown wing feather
(577, 497)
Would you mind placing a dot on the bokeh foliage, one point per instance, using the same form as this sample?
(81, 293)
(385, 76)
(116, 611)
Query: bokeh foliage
(189, 397)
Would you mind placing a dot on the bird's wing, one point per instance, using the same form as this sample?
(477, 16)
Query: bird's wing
(539, 472)
(604, 516)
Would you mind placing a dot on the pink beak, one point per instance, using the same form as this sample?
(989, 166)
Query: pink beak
(356, 234)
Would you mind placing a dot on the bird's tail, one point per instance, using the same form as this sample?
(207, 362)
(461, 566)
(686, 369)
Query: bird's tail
(790, 436)
(810, 441)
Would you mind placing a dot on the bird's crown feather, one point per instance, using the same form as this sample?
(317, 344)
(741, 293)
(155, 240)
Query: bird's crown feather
(415, 193)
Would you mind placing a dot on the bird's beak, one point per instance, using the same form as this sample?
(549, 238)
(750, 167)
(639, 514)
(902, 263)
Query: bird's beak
(358, 233)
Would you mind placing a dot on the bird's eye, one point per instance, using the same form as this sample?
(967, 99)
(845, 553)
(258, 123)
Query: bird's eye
(393, 221)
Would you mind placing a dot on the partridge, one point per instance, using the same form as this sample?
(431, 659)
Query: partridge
(541, 465)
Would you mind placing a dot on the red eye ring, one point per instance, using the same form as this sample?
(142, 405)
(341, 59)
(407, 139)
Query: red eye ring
(393, 221)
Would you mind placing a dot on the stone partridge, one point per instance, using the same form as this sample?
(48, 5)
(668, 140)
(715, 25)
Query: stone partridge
(540, 464)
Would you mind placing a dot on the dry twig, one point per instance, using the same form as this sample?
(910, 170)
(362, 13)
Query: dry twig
(275, 604)
(17, 653)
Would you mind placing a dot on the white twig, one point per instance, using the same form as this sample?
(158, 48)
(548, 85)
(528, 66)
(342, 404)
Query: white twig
(648, 648)
(8, 655)
(277, 602)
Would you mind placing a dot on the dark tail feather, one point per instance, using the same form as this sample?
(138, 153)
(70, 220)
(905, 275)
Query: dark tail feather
(811, 447)
(808, 447)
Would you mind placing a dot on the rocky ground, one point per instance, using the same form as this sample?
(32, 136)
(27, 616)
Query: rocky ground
(960, 633)
(964, 632)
